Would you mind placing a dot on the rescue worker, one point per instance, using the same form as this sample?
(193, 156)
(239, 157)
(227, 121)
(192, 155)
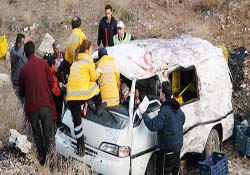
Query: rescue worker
(57, 91)
(76, 38)
(82, 87)
(110, 78)
(107, 28)
(17, 59)
(121, 36)
(169, 126)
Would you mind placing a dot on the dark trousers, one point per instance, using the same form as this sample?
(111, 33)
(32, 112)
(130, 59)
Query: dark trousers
(167, 163)
(75, 108)
(58, 104)
(43, 134)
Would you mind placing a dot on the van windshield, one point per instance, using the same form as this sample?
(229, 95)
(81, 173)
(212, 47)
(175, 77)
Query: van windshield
(116, 117)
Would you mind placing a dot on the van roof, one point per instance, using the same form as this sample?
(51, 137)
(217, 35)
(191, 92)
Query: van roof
(141, 59)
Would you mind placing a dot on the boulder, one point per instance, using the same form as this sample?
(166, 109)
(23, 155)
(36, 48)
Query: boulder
(46, 44)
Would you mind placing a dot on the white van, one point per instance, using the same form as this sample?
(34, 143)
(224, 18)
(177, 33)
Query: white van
(118, 142)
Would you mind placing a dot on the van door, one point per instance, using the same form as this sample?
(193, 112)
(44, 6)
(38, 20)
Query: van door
(144, 142)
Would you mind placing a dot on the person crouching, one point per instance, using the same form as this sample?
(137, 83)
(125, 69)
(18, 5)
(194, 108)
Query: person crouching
(109, 79)
(82, 87)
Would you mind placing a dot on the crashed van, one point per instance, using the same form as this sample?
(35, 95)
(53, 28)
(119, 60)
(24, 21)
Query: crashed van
(118, 142)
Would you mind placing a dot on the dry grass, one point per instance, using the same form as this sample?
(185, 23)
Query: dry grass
(11, 110)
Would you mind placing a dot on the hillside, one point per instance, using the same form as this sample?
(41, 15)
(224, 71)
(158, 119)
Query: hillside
(219, 21)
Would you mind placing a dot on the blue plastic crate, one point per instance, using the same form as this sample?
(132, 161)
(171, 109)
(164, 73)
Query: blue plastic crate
(243, 139)
(215, 164)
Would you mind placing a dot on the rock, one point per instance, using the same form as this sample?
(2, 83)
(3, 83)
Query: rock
(46, 44)
(4, 79)
(243, 86)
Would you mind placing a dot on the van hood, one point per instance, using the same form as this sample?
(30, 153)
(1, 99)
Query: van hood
(95, 134)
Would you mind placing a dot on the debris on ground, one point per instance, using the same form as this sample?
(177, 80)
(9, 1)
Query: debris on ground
(19, 141)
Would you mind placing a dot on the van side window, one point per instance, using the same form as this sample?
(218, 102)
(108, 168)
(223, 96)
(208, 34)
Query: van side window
(185, 84)
(149, 87)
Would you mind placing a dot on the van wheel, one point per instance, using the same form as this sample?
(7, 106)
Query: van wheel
(213, 143)
(151, 167)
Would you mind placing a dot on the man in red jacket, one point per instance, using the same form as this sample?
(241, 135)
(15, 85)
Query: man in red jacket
(57, 91)
(35, 84)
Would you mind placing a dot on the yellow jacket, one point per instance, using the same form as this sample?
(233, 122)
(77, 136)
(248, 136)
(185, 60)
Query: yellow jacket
(76, 38)
(109, 81)
(81, 82)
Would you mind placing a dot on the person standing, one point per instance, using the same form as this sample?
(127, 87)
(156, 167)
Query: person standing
(121, 36)
(57, 91)
(17, 60)
(82, 87)
(169, 126)
(109, 80)
(75, 40)
(35, 84)
(107, 28)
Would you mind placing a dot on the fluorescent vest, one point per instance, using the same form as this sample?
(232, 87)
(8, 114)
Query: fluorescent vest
(126, 39)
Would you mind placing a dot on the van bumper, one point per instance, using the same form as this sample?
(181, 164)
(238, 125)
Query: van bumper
(97, 160)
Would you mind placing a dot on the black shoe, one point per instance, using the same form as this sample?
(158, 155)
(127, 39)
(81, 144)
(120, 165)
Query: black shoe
(42, 159)
(101, 108)
(80, 150)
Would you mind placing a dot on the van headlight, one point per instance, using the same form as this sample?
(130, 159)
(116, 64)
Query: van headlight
(119, 151)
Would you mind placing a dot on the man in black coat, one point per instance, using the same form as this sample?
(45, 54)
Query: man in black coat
(107, 28)
(169, 126)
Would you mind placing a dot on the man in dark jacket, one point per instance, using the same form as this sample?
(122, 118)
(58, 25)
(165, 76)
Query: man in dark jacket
(107, 28)
(169, 126)
(35, 84)
(17, 60)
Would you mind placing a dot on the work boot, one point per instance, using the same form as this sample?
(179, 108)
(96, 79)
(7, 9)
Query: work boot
(80, 150)
(101, 108)
(42, 158)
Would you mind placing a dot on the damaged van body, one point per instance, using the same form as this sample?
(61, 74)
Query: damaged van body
(118, 142)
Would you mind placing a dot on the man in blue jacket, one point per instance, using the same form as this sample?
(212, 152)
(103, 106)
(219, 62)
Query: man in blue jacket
(169, 126)
(17, 59)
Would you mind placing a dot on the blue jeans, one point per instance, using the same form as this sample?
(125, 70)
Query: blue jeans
(16, 90)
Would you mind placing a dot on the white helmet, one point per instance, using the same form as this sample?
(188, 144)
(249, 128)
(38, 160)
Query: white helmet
(120, 24)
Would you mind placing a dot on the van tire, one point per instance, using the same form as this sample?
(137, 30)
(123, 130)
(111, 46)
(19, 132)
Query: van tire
(151, 167)
(213, 143)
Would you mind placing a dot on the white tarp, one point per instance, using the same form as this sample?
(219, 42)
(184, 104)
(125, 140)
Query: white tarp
(142, 58)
